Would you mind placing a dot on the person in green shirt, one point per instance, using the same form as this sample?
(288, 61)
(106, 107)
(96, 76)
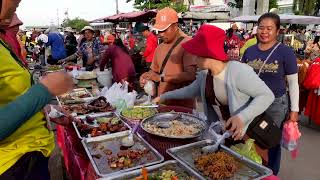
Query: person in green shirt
(250, 42)
(25, 141)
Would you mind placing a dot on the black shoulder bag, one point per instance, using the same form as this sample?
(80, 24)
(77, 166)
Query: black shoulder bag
(164, 63)
(263, 129)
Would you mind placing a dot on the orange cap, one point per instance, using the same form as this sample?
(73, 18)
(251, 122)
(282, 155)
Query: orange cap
(165, 17)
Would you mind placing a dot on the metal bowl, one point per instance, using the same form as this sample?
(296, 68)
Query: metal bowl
(183, 117)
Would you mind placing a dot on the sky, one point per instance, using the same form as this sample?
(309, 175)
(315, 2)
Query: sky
(45, 12)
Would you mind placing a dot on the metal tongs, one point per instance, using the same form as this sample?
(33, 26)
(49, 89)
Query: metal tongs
(215, 130)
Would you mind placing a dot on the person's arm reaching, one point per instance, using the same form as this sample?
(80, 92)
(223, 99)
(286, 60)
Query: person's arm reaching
(15, 113)
(23, 108)
(105, 58)
(294, 96)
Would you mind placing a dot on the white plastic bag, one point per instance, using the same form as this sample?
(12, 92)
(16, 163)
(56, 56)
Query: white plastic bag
(149, 88)
(119, 97)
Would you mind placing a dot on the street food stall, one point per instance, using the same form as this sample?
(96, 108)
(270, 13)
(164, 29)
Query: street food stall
(110, 141)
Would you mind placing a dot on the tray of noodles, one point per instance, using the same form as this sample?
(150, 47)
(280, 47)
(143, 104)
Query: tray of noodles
(224, 164)
(174, 125)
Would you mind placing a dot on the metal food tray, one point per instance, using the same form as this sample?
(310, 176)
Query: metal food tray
(103, 170)
(184, 117)
(248, 169)
(136, 119)
(76, 91)
(107, 114)
(172, 165)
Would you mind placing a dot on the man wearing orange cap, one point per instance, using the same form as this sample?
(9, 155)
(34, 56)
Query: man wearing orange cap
(172, 67)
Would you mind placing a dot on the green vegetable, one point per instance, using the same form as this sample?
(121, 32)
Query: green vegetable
(115, 120)
(139, 113)
(103, 119)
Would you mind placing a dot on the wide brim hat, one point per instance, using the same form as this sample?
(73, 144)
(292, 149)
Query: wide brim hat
(87, 28)
(208, 42)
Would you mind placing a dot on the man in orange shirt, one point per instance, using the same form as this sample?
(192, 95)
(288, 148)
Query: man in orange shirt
(151, 45)
(172, 67)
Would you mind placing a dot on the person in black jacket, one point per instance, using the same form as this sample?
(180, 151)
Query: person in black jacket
(70, 42)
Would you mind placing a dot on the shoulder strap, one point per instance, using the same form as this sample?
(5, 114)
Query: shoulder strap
(164, 63)
(268, 58)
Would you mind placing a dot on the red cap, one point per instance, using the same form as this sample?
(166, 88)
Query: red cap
(208, 42)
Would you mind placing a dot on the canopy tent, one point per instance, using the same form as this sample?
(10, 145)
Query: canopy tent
(284, 18)
(204, 15)
(142, 16)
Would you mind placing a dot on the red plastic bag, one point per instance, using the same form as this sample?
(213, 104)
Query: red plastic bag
(312, 80)
(290, 137)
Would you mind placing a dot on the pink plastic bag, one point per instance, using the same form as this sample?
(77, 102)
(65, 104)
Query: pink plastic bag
(290, 137)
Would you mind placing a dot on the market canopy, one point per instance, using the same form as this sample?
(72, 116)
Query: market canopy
(204, 15)
(285, 18)
(135, 16)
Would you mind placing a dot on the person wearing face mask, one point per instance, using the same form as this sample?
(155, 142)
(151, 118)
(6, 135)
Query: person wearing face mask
(89, 50)
(230, 91)
(172, 67)
(25, 141)
(277, 66)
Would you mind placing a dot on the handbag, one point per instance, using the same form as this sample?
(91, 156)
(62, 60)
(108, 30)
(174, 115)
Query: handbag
(263, 129)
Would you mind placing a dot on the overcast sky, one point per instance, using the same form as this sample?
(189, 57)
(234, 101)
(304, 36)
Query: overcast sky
(44, 12)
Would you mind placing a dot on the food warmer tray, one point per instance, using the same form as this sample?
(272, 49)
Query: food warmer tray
(100, 166)
(107, 114)
(249, 170)
(172, 164)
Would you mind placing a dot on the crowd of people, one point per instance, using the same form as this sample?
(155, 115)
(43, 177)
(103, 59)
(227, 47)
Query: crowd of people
(241, 76)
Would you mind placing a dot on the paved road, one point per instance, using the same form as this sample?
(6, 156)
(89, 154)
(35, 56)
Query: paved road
(306, 166)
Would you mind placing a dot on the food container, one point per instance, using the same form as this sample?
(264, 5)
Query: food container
(75, 97)
(189, 120)
(248, 169)
(101, 145)
(90, 106)
(108, 115)
(168, 165)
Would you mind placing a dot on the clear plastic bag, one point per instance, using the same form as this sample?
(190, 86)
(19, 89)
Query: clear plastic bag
(118, 96)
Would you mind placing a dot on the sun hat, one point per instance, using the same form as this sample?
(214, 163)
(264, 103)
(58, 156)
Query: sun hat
(165, 17)
(208, 42)
(68, 29)
(87, 28)
(15, 21)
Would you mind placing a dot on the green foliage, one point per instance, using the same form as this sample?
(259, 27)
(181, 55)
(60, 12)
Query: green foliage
(306, 7)
(239, 4)
(76, 23)
(159, 4)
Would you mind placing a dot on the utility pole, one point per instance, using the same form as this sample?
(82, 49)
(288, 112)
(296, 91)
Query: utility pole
(58, 20)
(117, 6)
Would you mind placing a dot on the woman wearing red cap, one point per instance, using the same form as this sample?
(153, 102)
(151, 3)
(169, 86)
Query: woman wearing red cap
(228, 84)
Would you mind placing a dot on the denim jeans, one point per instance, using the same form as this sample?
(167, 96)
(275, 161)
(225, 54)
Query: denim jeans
(277, 111)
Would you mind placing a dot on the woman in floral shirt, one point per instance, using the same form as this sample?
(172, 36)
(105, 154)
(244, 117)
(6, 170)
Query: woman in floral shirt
(313, 48)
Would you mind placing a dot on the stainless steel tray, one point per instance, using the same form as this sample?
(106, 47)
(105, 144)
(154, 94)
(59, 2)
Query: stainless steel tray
(107, 114)
(248, 170)
(183, 117)
(100, 165)
(168, 165)
(76, 91)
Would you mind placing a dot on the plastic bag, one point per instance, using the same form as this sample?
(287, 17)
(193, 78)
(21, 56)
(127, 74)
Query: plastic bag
(248, 150)
(290, 137)
(149, 88)
(118, 96)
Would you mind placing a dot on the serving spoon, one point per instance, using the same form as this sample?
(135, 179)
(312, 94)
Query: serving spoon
(215, 146)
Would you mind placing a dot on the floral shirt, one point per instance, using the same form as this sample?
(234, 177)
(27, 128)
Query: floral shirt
(87, 47)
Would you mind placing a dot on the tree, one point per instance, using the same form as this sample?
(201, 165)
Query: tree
(159, 4)
(306, 7)
(76, 23)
